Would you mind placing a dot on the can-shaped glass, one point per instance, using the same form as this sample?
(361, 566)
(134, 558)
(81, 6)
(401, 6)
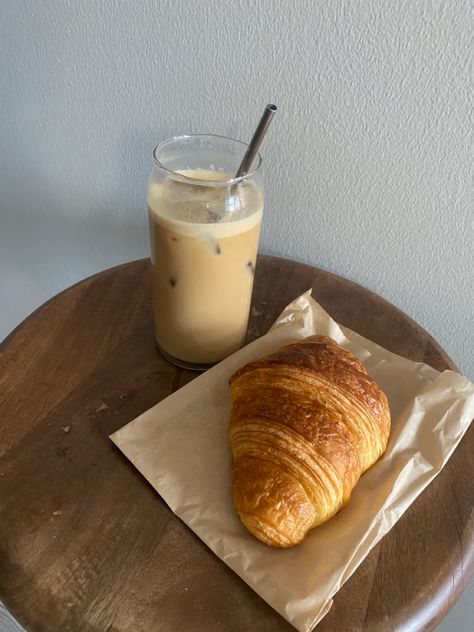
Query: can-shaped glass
(204, 230)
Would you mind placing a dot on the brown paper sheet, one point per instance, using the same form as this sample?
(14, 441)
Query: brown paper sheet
(181, 447)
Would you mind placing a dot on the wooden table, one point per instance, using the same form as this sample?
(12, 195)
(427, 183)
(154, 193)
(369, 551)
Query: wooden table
(87, 545)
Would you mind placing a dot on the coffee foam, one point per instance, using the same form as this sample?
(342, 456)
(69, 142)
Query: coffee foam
(195, 210)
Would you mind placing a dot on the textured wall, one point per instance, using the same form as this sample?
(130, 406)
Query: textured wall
(369, 162)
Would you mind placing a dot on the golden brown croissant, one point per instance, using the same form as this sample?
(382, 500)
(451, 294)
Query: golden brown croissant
(306, 422)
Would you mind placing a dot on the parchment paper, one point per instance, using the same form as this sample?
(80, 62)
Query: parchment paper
(181, 446)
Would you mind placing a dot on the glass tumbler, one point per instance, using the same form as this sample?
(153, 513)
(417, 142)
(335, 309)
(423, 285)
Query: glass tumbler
(204, 229)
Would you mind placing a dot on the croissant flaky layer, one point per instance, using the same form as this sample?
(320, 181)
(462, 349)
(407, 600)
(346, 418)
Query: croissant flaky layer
(306, 422)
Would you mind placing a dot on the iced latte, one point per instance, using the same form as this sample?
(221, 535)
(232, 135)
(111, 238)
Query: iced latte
(204, 240)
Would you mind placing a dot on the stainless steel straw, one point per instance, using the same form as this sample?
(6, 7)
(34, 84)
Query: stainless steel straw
(256, 140)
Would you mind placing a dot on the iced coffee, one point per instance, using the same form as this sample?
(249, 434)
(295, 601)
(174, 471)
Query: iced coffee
(204, 238)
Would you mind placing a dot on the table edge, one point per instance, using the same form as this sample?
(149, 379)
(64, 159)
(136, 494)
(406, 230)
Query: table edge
(91, 277)
(452, 366)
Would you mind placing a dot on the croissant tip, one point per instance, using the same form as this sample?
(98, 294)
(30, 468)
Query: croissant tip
(266, 533)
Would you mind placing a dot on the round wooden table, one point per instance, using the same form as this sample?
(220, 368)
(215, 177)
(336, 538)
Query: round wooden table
(87, 545)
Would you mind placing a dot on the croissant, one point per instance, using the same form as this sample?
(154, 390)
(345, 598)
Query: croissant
(306, 422)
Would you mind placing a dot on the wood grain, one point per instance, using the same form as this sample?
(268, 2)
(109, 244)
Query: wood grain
(87, 545)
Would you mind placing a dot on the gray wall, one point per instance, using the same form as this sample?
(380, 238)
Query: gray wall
(369, 164)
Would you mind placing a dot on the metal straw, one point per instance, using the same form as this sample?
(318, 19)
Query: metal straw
(256, 140)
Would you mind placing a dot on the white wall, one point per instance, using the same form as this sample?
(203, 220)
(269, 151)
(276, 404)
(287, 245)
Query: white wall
(369, 163)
